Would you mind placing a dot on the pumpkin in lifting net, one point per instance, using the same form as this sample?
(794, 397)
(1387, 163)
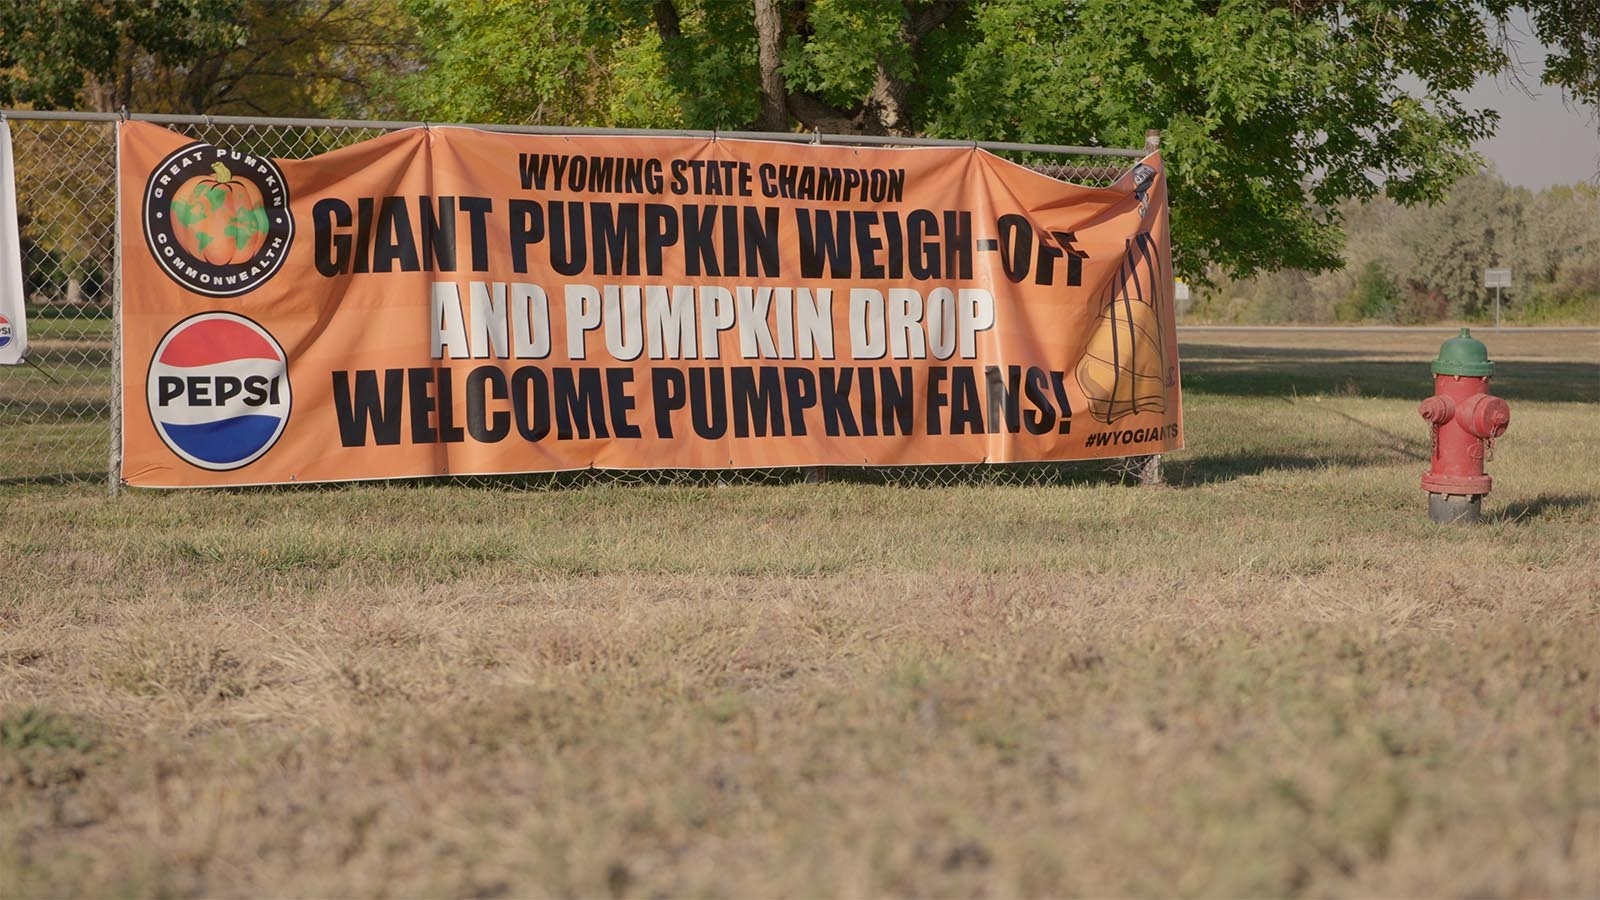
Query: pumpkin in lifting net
(1122, 371)
(218, 218)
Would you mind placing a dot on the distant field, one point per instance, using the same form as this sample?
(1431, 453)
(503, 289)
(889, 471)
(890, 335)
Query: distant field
(1271, 677)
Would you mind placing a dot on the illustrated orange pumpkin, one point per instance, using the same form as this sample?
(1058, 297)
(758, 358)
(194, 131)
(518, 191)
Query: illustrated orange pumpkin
(218, 218)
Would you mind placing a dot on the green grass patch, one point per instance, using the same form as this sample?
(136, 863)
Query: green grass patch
(34, 729)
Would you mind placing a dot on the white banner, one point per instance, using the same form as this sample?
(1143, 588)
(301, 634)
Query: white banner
(13, 324)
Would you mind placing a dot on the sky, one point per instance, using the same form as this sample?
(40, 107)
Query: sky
(1541, 140)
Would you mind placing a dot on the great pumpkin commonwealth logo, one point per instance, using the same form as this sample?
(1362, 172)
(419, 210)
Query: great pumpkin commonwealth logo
(217, 220)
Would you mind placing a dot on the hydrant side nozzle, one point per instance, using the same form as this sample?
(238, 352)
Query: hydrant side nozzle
(1485, 416)
(1437, 409)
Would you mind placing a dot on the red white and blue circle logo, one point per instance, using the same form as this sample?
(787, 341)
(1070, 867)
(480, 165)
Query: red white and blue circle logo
(5, 331)
(218, 391)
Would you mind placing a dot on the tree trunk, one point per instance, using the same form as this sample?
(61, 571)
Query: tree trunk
(668, 24)
(887, 110)
(769, 40)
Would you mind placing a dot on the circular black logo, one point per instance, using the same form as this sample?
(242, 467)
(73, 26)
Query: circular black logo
(217, 220)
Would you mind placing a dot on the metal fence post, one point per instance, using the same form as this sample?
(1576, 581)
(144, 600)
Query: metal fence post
(114, 451)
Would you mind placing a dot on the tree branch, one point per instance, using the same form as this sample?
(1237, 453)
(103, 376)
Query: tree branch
(817, 115)
(887, 109)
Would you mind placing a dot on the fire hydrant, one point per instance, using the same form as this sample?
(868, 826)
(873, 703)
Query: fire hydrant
(1466, 419)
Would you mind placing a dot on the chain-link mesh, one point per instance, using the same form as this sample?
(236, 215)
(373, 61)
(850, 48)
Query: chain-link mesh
(56, 412)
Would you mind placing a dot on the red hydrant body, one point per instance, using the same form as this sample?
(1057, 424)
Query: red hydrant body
(1466, 419)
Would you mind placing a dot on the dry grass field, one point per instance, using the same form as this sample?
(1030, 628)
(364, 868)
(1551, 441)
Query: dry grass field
(1272, 677)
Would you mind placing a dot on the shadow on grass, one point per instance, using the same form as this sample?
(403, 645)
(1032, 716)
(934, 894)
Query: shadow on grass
(1284, 372)
(1409, 446)
(1190, 350)
(1538, 507)
(1043, 474)
(1224, 467)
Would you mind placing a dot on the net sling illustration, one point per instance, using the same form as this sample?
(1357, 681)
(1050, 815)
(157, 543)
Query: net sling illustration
(1124, 370)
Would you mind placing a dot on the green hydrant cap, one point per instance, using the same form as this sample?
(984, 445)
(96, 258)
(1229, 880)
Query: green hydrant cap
(1463, 355)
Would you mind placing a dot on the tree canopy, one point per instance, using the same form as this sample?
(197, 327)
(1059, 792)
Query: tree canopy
(1272, 112)
(241, 57)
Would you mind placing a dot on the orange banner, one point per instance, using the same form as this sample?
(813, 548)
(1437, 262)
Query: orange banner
(452, 301)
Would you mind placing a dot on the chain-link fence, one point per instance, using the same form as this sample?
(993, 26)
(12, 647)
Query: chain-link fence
(58, 415)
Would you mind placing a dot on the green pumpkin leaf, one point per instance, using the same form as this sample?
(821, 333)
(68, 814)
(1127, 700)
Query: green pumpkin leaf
(240, 235)
(187, 213)
(204, 239)
(201, 200)
(253, 218)
(245, 225)
(217, 195)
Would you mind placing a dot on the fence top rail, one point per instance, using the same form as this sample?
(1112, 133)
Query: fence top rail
(810, 137)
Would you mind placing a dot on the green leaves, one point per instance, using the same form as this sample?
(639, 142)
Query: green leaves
(560, 62)
(51, 50)
(1269, 117)
(1271, 114)
(848, 39)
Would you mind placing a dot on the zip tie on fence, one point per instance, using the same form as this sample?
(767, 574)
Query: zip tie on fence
(816, 136)
(123, 112)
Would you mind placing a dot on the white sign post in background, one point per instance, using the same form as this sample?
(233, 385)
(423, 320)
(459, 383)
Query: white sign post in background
(1497, 279)
(13, 324)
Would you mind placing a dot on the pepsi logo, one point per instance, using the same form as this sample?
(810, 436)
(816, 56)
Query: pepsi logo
(218, 391)
(5, 331)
